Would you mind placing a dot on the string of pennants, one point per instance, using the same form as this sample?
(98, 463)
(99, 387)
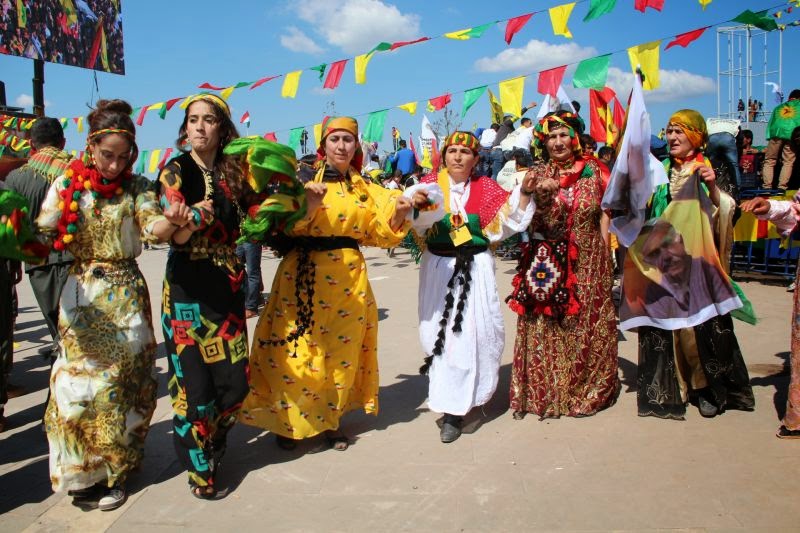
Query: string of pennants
(559, 18)
(591, 73)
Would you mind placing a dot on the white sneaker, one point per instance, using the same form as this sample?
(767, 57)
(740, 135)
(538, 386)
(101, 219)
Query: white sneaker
(791, 287)
(113, 498)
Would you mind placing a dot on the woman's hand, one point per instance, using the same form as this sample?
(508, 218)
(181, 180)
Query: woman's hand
(758, 206)
(710, 179)
(420, 199)
(315, 192)
(402, 207)
(179, 214)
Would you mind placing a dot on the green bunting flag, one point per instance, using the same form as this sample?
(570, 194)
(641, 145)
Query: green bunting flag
(294, 138)
(592, 73)
(470, 97)
(142, 159)
(321, 69)
(382, 47)
(373, 132)
(760, 20)
(598, 8)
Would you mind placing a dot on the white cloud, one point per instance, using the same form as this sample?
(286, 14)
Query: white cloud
(356, 26)
(297, 41)
(534, 56)
(675, 85)
(26, 100)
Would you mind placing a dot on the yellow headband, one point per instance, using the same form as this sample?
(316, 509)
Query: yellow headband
(213, 99)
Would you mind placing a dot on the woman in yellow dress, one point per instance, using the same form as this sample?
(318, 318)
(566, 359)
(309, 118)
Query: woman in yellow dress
(314, 354)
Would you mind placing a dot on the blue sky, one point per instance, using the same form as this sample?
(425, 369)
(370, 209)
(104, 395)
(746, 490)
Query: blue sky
(171, 47)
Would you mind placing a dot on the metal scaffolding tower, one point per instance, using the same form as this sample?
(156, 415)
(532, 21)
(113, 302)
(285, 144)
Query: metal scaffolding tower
(749, 60)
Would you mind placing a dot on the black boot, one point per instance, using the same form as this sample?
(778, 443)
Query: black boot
(451, 428)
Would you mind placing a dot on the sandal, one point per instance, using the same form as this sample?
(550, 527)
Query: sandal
(786, 433)
(337, 441)
(285, 443)
(518, 415)
(203, 493)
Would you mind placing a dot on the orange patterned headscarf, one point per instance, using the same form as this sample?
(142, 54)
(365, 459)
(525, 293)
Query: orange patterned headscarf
(693, 125)
(348, 124)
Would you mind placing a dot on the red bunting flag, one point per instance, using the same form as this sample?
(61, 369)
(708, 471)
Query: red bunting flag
(271, 137)
(207, 85)
(163, 162)
(439, 102)
(516, 24)
(142, 113)
(641, 5)
(334, 74)
(169, 103)
(684, 39)
(619, 115)
(399, 44)
(262, 81)
(550, 80)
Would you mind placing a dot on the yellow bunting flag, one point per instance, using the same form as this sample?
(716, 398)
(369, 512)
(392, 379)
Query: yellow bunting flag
(290, 83)
(155, 157)
(79, 123)
(704, 3)
(185, 103)
(155, 107)
(317, 134)
(511, 96)
(645, 56)
(559, 16)
(410, 107)
(226, 92)
(361, 63)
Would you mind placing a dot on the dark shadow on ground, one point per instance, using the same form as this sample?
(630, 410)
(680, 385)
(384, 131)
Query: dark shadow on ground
(628, 371)
(778, 378)
(29, 484)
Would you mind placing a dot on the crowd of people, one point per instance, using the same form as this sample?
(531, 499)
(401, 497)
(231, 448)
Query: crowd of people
(46, 30)
(314, 351)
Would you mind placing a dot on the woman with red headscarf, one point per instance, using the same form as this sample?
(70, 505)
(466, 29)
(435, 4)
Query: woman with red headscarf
(565, 357)
(461, 325)
(314, 354)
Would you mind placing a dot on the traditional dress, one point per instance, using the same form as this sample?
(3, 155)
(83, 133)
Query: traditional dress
(205, 335)
(705, 358)
(102, 386)
(565, 356)
(314, 355)
(461, 325)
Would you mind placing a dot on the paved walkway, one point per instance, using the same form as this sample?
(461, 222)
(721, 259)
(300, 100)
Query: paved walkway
(613, 471)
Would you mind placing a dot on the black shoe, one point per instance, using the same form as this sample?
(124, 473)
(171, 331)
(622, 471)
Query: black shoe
(451, 428)
(707, 409)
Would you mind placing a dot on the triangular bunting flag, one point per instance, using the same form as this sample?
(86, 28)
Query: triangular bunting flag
(511, 96)
(646, 57)
(598, 8)
(470, 97)
(335, 74)
(550, 80)
(641, 5)
(410, 107)
(559, 17)
(435, 104)
(684, 39)
(592, 73)
(469, 33)
(515, 24)
(290, 83)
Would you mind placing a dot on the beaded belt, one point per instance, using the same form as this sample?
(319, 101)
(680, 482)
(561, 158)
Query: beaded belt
(123, 272)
